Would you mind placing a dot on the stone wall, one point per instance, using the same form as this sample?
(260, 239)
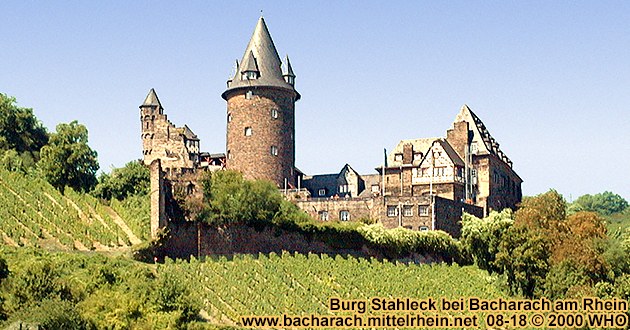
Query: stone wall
(196, 239)
(255, 126)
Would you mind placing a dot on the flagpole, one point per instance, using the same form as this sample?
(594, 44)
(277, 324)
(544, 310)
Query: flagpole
(431, 188)
(384, 167)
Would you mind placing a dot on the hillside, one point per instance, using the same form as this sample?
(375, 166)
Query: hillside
(35, 214)
(252, 285)
(118, 293)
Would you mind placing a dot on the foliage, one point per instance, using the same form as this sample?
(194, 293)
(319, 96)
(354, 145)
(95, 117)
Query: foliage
(71, 291)
(132, 179)
(136, 210)
(298, 284)
(11, 161)
(525, 251)
(67, 160)
(482, 237)
(53, 315)
(605, 203)
(401, 241)
(232, 200)
(547, 253)
(34, 213)
(19, 128)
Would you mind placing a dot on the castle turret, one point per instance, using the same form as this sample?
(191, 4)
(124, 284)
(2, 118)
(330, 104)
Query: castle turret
(150, 110)
(261, 113)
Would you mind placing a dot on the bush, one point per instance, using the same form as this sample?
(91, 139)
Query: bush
(482, 237)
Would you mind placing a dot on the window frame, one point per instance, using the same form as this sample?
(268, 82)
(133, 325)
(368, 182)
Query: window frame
(392, 211)
(407, 211)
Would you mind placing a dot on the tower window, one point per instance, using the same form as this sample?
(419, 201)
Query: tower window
(274, 150)
(229, 155)
(229, 117)
(249, 95)
(248, 131)
(274, 113)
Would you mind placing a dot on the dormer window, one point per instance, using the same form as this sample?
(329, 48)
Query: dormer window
(251, 75)
(290, 80)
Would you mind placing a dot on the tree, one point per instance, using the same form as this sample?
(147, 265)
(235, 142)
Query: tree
(482, 237)
(133, 179)
(527, 246)
(67, 160)
(20, 130)
(605, 203)
(231, 200)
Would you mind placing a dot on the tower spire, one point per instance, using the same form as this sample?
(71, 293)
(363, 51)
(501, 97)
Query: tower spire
(260, 55)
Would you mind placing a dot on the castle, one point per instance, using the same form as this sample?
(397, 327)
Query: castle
(423, 184)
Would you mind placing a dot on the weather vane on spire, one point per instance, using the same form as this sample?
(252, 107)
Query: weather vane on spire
(261, 13)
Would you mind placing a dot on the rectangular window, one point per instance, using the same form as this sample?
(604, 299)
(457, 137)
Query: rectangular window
(407, 210)
(248, 131)
(249, 95)
(274, 113)
(398, 157)
(274, 150)
(392, 211)
(322, 192)
(323, 215)
(344, 215)
(343, 188)
(439, 171)
(376, 188)
(423, 210)
(424, 228)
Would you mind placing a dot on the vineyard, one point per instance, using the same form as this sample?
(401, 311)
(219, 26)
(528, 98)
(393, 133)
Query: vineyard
(33, 213)
(299, 284)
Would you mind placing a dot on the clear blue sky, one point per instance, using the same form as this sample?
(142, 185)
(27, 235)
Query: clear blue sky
(550, 79)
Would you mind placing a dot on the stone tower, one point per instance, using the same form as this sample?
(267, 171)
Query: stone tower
(261, 99)
(176, 147)
(149, 111)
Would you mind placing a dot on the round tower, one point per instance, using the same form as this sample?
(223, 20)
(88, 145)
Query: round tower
(261, 97)
(149, 111)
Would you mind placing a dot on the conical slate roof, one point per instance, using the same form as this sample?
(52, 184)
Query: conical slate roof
(287, 70)
(151, 100)
(261, 54)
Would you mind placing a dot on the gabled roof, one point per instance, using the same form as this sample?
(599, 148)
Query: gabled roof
(419, 145)
(263, 53)
(347, 168)
(250, 65)
(151, 100)
(448, 149)
(187, 132)
(486, 144)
